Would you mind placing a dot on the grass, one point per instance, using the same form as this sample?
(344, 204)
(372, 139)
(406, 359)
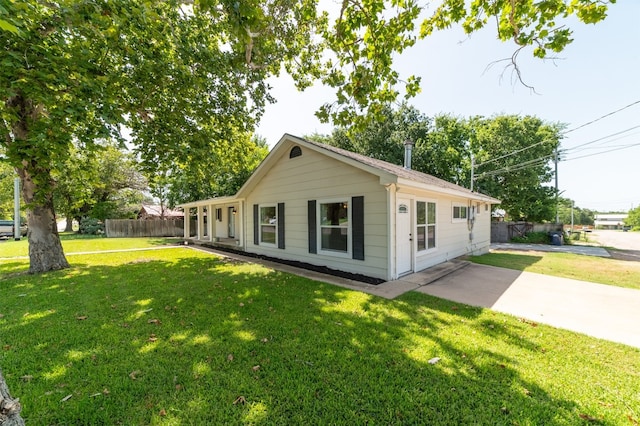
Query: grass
(568, 265)
(181, 337)
(74, 243)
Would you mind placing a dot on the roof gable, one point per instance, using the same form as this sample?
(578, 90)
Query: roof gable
(387, 172)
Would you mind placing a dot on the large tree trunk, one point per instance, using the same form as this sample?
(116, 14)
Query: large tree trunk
(9, 407)
(45, 249)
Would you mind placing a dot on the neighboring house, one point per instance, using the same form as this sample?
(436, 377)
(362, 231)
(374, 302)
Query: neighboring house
(610, 221)
(325, 206)
(149, 211)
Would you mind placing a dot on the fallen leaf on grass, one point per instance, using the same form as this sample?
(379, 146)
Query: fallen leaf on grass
(153, 338)
(587, 417)
(82, 317)
(230, 357)
(66, 398)
(264, 340)
(134, 374)
(163, 412)
(154, 321)
(27, 378)
(240, 400)
(526, 321)
(255, 368)
(434, 360)
(1, 315)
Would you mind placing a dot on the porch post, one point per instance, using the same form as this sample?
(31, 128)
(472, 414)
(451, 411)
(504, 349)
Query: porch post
(187, 222)
(241, 223)
(211, 221)
(200, 222)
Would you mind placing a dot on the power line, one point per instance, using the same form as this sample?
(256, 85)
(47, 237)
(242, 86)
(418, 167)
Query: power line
(602, 138)
(602, 117)
(603, 152)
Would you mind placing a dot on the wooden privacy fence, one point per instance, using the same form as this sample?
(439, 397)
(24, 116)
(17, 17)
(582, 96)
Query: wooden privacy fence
(503, 232)
(115, 228)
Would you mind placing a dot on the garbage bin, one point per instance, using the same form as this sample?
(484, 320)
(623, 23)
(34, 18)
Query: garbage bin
(556, 238)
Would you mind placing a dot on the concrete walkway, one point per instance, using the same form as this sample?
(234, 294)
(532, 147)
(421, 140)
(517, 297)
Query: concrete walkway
(598, 310)
(584, 250)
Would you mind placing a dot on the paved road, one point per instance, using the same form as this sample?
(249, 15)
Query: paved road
(618, 239)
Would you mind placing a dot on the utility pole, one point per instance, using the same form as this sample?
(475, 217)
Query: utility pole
(572, 203)
(556, 161)
(472, 167)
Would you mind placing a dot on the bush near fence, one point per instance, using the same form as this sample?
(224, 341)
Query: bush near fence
(115, 228)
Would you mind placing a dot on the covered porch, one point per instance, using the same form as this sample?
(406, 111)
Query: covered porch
(216, 221)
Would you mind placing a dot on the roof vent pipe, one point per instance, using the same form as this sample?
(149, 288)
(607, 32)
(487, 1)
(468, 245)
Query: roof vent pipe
(408, 147)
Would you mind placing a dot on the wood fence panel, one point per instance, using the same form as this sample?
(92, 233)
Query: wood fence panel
(115, 228)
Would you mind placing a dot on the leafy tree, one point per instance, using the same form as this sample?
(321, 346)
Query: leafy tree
(99, 184)
(222, 172)
(181, 77)
(513, 156)
(7, 176)
(633, 219)
(184, 77)
(581, 216)
(368, 35)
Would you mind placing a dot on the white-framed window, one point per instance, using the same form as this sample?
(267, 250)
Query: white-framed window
(425, 225)
(334, 226)
(460, 212)
(268, 224)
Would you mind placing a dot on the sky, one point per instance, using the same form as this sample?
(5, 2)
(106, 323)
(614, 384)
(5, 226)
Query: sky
(596, 76)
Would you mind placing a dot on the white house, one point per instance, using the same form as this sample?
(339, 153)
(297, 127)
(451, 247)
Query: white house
(321, 205)
(610, 220)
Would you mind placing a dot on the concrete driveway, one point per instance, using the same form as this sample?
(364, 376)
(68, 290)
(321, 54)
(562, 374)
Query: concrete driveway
(618, 239)
(598, 310)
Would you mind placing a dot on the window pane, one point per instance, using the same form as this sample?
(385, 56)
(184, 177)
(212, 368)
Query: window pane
(268, 234)
(431, 213)
(431, 236)
(463, 212)
(334, 239)
(268, 215)
(456, 212)
(334, 214)
(421, 238)
(421, 214)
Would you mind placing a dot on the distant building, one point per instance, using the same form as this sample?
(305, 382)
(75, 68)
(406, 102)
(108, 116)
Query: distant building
(155, 212)
(610, 220)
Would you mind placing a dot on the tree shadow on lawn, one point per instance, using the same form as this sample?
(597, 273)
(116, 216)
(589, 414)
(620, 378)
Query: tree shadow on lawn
(201, 340)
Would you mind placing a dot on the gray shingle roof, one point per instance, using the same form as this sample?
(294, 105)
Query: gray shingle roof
(394, 169)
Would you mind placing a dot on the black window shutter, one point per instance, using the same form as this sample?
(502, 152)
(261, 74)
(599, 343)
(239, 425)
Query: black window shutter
(281, 225)
(313, 230)
(256, 224)
(357, 215)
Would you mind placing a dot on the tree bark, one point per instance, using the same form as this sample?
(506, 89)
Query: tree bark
(45, 249)
(9, 408)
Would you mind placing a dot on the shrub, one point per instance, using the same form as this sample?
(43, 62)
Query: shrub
(532, 238)
(91, 226)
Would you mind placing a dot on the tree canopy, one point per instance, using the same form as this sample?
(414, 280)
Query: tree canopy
(633, 219)
(185, 76)
(512, 153)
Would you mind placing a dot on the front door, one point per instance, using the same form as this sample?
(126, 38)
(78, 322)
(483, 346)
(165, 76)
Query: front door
(404, 239)
(232, 222)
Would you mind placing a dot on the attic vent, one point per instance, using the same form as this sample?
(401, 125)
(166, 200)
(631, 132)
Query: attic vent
(295, 152)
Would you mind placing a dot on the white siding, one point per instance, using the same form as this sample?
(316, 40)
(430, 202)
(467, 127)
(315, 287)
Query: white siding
(452, 237)
(314, 176)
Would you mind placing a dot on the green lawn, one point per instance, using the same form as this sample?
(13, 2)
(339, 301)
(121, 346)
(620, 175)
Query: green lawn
(73, 243)
(586, 268)
(181, 337)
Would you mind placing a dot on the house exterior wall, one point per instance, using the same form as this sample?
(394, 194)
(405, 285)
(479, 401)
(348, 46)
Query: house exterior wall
(452, 235)
(313, 176)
